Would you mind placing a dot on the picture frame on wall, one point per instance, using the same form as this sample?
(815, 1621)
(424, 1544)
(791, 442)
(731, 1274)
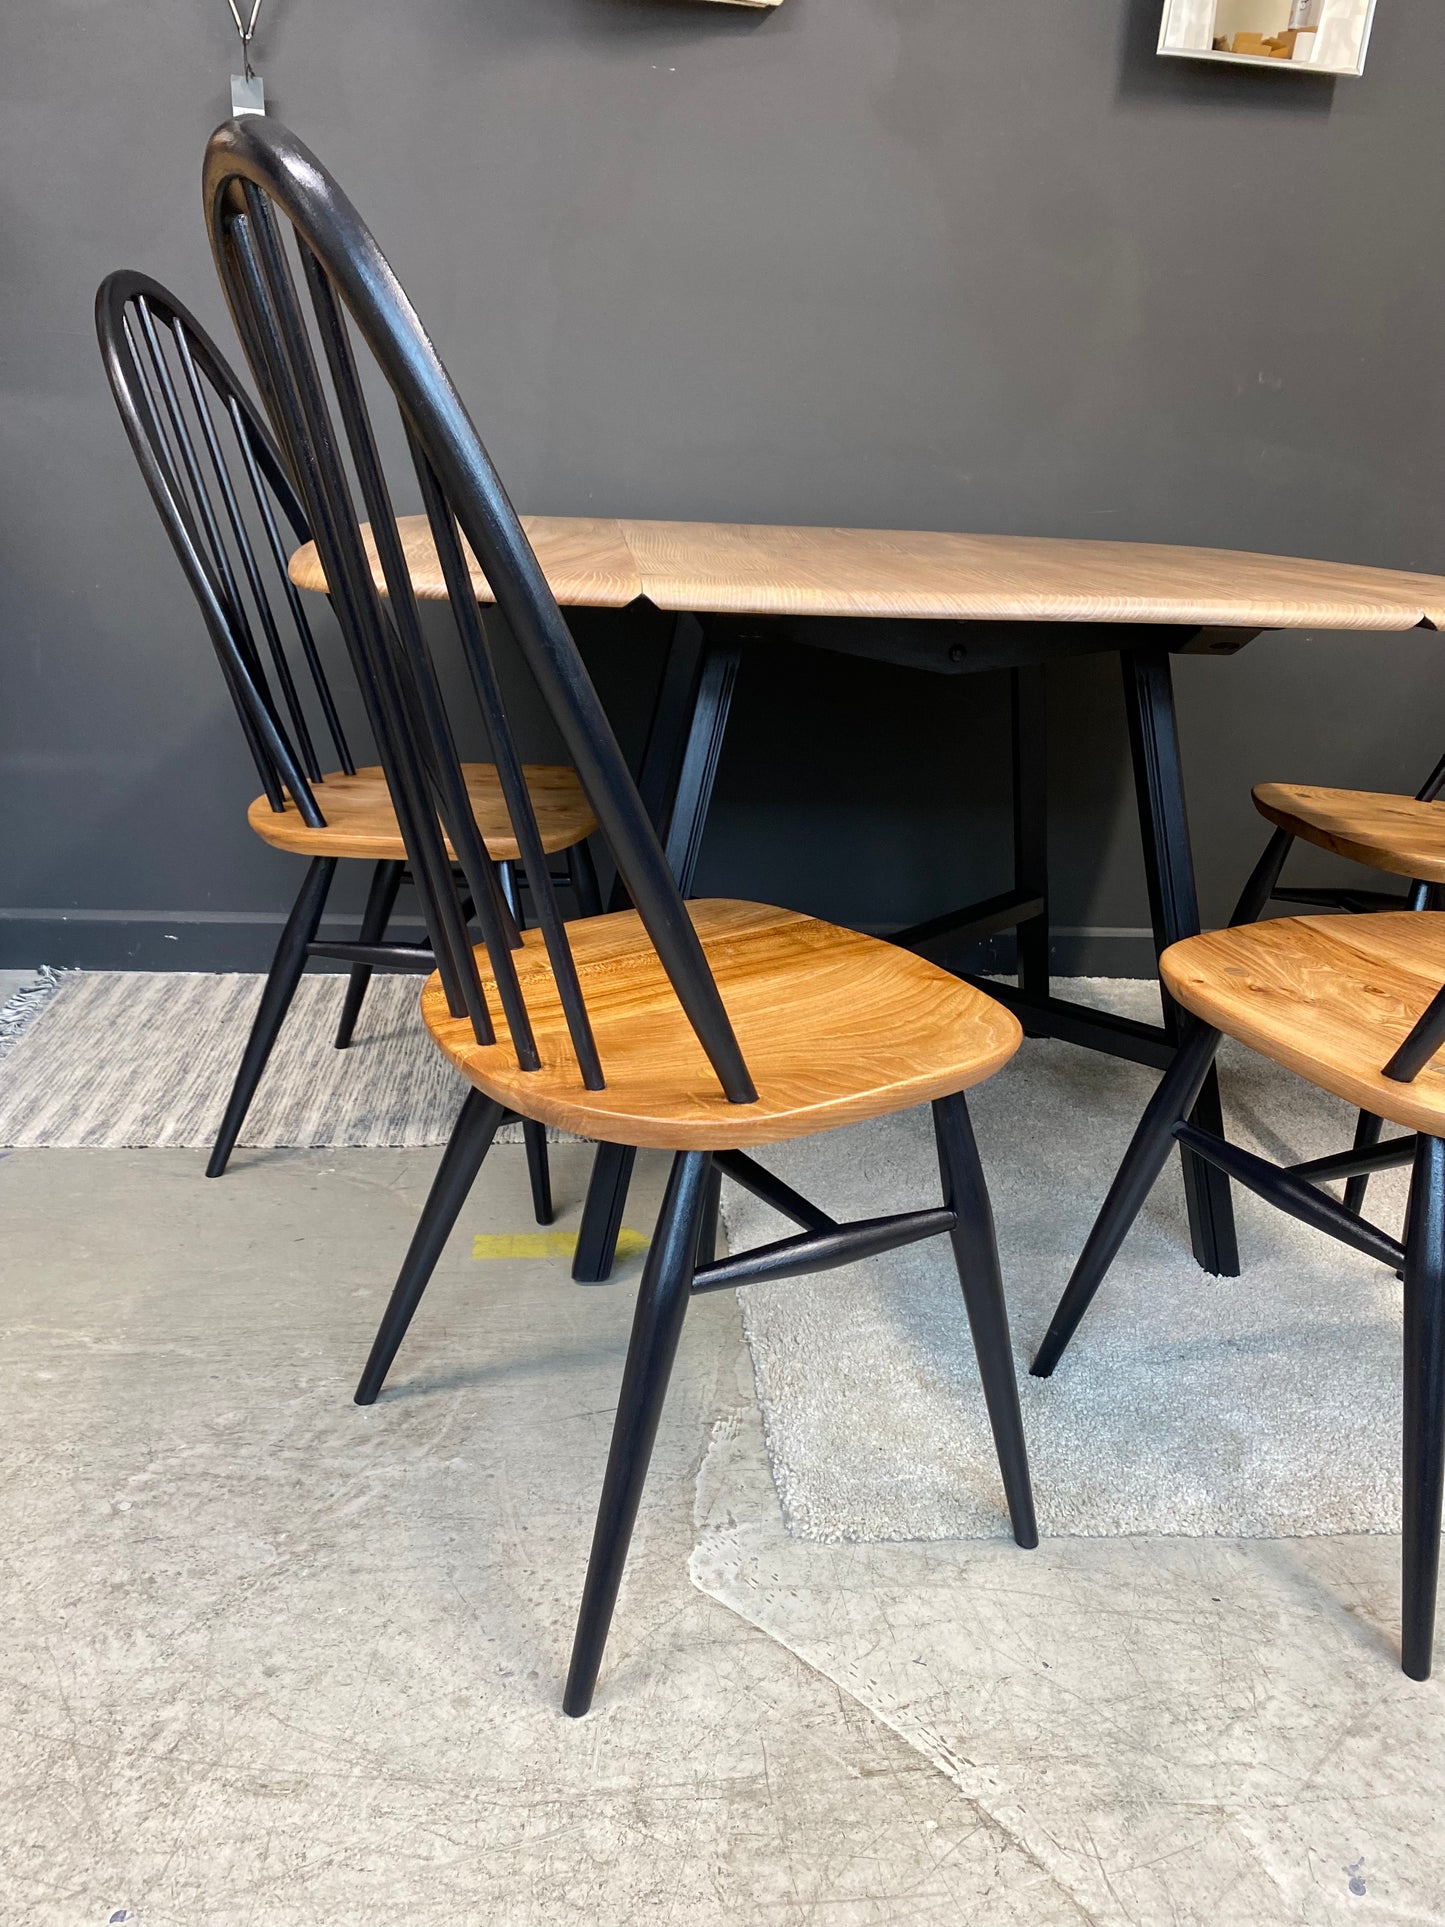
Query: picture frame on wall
(1294, 36)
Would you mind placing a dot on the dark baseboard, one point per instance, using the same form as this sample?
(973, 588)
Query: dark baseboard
(237, 940)
(129, 940)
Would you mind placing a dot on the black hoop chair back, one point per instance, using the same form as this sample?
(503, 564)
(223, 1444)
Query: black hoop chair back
(177, 397)
(256, 171)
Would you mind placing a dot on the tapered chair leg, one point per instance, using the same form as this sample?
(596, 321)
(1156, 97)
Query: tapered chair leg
(538, 1170)
(468, 1144)
(1149, 1147)
(1424, 1429)
(1368, 1130)
(380, 902)
(708, 1223)
(975, 1252)
(285, 973)
(602, 1213)
(656, 1327)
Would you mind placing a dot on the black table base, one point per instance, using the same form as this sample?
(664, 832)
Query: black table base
(676, 778)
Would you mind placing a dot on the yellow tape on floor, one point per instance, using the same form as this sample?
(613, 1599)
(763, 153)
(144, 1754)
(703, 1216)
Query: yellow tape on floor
(547, 1244)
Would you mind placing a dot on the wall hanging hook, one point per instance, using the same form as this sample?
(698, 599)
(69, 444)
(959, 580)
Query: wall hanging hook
(248, 91)
(247, 31)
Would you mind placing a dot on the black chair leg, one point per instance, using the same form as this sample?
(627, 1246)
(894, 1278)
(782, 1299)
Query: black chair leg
(585, 887)
(538, 1170)
(1424, 1404)
(286, 968)
(468, 1144)
(975, 1252)
(1368, 1130)
(511, 889)
(1150, 1146)
(602, 1213)
(380, 902)
(656, 1327)
(708, 1223)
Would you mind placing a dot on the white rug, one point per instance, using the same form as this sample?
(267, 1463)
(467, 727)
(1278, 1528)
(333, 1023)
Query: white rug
(145, 1059)
(1265, 1405)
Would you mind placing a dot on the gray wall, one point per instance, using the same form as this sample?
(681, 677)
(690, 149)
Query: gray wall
(982, 264)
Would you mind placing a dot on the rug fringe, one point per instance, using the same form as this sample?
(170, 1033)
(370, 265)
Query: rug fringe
(22, 1009)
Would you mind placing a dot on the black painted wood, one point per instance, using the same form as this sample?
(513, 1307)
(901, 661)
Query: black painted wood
(1145, 1158)
(656, 1328)
(1424, 1398)
(1029, 716)
(1293, 1195)
(468, 1144)
(816, 1251)
(602, 1211)
(975, 1252)
(280, 987)
(679, 770)
(380, 902)
(1174, 908)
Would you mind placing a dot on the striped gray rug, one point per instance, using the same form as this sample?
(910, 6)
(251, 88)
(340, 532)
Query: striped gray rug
(142, 1059)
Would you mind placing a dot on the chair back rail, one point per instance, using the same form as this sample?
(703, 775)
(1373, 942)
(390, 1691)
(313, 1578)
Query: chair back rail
(270, 203)
(1433, 784)
(223, 493)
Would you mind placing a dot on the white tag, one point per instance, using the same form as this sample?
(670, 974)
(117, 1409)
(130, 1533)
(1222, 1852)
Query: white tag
(248, 95)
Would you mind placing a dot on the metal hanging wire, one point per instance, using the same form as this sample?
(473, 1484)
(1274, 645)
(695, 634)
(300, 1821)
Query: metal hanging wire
(247, 30)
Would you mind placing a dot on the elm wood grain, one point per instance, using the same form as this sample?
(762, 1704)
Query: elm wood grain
(756, 569)
(586, 561)
(1331, 998)
(835, 1026)
(1394, 833)
(360, 820)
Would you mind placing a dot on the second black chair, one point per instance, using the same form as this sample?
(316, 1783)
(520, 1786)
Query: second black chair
(229, 507)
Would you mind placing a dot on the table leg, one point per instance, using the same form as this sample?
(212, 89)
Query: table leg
(684, 739)
(687, 819)
(1031, 822)
(606, 1199)
(1174, 908)
(679, 768)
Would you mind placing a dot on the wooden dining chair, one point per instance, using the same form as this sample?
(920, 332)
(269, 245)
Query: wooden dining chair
(225, 510)
(697, 1028)
(1355, 1005)
(1402, 836)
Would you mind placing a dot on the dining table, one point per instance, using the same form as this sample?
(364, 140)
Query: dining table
(944, 604)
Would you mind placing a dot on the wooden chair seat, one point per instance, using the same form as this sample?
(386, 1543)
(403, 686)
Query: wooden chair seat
(835, 1026)
(1394, 833)
(360, 820)
(1331, 998)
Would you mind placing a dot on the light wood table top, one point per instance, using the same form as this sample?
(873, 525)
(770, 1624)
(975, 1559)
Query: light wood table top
(737, 568)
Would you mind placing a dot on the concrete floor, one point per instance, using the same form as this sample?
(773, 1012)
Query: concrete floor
(269, 1658)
